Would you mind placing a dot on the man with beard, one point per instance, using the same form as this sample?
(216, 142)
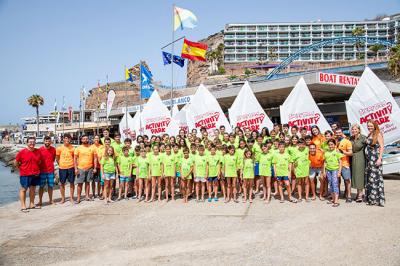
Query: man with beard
(48, 154)
(84, 161)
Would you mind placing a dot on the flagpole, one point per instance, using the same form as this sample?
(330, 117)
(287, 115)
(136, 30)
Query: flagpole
(141, 99)
(83, 111)
(98, 107)
(55, 122)
(80, 114)
(126, 102)
(172, 57)
(106, 101)
(63, 122)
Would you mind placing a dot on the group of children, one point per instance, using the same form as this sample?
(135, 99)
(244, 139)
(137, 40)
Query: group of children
(239, 163)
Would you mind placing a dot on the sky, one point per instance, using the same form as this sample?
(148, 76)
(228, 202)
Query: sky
(53, 48)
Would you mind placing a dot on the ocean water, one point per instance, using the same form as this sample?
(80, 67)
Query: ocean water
(9, 185)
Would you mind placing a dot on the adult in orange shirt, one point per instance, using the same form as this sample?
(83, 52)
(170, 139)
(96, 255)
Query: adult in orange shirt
(65, 161)
(317, 169)
(317, 137)
(346, 148)
(84, 162)
(97, 146)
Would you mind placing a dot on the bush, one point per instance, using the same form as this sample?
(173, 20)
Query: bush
(221, 70)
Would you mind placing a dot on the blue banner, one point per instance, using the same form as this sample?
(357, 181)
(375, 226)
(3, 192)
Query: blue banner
(146, 86)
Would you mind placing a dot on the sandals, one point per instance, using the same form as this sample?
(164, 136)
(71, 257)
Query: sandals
(293, 200)
(359, 200)
(335, 204)
(25, 210)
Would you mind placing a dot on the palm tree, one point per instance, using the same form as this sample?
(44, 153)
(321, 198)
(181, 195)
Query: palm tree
(357, 32)
(394, 61)
(375, 49)
(35, 101)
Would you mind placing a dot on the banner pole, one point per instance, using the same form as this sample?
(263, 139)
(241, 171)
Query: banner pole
(172, 58)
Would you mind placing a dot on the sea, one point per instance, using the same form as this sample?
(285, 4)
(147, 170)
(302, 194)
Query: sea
(9, 185)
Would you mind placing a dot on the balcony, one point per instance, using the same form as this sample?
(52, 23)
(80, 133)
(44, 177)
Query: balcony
(294, 27)
(252, 36)
(283, 28)
(229, 43)
(229, 37)
(327, 27)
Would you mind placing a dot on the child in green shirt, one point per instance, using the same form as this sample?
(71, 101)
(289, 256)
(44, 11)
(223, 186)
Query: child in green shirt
(186, 171)
(282, 167)
(124, 165)
(302, 168)
(168, 172)
(265, 164)
(108, 172)
(143, 174)
(213, 173)
(200, 165)
(155, 172)
(230, 173)
(333, 169)
(248, 175)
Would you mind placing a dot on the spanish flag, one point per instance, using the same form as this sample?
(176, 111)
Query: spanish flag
(194, 50)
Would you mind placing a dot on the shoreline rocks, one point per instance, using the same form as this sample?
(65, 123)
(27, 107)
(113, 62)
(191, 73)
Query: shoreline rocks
(8, 153)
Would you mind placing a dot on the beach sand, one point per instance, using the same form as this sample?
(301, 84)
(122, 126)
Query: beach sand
(131, 233)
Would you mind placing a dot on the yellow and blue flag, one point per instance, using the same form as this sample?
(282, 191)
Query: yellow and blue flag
(184, 18)
(128, 75)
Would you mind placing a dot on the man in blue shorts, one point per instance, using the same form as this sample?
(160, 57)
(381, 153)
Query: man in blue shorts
(28, 161)
(48, 154)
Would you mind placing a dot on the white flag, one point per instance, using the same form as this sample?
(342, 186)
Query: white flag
(129, 127)
(110, 101)
(180, 118)
(205, 111)
(300, 109)
(371, 99)
(247, 113)
(156, 118)
(124, 129)
(175, 110)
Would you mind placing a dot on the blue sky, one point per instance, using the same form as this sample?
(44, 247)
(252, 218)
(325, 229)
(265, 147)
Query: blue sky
(54, 47)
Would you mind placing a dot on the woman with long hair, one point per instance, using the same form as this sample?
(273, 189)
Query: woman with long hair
(317, 137)
(358, 161)
(375, 194)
